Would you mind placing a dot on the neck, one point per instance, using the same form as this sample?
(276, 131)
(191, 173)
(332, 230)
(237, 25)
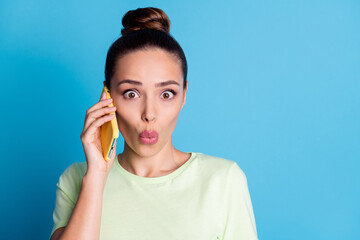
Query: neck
(154, 164)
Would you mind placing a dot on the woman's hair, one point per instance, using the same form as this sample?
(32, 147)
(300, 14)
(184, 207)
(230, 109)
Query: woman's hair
(144, 28)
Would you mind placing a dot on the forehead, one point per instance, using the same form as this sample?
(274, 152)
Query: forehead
(150, 65)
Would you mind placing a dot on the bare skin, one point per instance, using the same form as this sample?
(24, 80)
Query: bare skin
(146, 107)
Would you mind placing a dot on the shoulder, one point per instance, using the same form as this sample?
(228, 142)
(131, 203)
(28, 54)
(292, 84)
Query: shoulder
(219, 165)
(71, 179)
(75, 170)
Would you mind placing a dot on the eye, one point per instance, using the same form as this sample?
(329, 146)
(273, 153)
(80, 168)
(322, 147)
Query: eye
(131, 95)
(166, 95)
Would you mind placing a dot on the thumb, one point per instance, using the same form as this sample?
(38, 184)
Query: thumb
(113, 155)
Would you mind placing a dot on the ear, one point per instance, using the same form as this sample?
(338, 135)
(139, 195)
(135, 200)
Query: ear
(185, 92)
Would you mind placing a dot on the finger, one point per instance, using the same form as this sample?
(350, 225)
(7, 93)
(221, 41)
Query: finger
(103, 95)
(97, 124)
(99, 105)
(102, 103)
(91, 117)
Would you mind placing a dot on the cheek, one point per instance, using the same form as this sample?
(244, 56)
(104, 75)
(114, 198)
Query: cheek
(125, 115)
(126, 122)
(170, 115)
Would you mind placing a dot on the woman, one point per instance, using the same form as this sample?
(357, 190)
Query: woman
(151, 190)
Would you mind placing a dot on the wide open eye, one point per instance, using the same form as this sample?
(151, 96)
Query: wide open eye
(167, 95)
(131, 94)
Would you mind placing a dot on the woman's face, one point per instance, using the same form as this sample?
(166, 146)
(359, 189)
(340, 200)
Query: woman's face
(145, 104)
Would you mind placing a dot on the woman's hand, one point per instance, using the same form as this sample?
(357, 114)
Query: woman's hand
(95, 117)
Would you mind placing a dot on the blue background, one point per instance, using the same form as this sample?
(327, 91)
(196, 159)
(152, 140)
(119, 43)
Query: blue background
(273, 85)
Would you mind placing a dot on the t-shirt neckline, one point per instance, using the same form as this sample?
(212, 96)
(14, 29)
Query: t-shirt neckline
(160, 179)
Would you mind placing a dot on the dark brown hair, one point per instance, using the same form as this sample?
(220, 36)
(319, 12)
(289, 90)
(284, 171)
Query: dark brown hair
(144, 28)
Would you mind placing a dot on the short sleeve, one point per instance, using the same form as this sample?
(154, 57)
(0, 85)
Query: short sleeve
(240, 221)
(67, 192)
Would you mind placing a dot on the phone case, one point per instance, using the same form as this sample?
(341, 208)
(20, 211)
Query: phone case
(109, 132)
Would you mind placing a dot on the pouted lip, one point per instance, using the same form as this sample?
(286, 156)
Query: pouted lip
(149, 134)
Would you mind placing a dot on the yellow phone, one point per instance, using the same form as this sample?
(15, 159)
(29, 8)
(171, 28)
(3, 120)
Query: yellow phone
(109, 132)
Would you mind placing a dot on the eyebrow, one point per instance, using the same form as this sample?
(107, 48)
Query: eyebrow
(160, 84)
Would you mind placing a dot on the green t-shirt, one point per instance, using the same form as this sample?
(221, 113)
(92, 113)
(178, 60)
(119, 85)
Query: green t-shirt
(205, 198)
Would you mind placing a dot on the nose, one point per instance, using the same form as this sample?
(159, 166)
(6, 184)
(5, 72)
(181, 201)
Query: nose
(148, 114)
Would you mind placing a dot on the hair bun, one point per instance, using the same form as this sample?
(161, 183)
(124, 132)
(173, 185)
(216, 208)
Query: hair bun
(141, 18)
